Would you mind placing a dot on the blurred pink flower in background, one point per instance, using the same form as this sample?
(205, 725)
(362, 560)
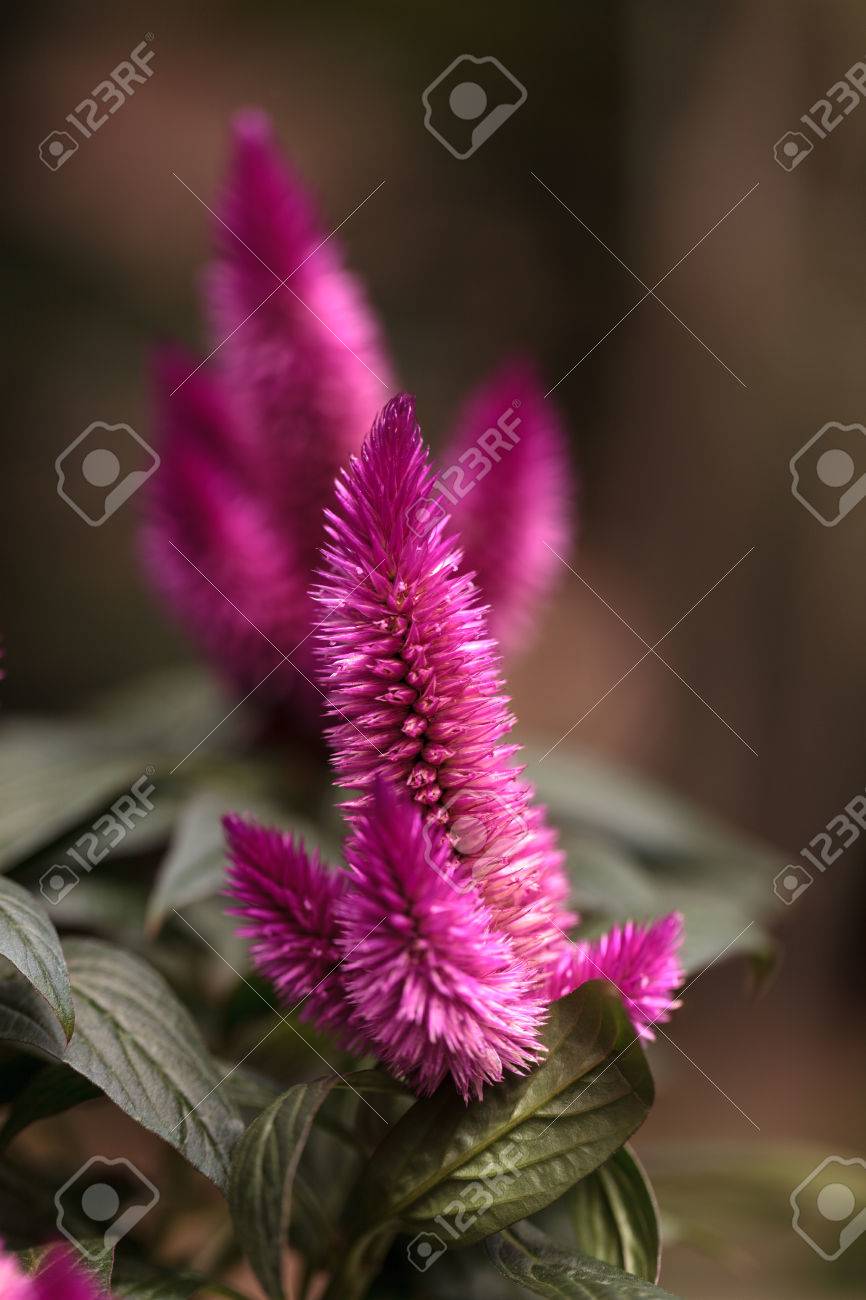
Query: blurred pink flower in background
(252, 440)
(58, 1277)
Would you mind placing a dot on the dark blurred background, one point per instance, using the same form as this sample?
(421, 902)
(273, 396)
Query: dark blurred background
(650, 122)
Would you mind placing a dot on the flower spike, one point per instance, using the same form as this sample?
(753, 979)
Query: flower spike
(438, 989)
(639, 960)
(413, 679)
(288, 902)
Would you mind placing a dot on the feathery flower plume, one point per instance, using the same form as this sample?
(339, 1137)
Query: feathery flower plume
(288, 901)
(436, 986)
(250, 446)
(512, 438)
(413, 679)
(639, 960)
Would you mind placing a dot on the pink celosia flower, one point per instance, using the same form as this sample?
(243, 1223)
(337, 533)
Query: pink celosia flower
(414, 681)
(59, 1277)
(639, 960)
(514, 532)
(436, 986)
(440, 947)
(388, 954)
(250, 446)
(288, 901)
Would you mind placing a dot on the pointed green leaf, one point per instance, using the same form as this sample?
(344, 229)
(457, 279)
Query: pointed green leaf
(465, 1171)
(529, 1258)
(30, 942)
(262, 1175)
(135, 1042)
(614, 1216)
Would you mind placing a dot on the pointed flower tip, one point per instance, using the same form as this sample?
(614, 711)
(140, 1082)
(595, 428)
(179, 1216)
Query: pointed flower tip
(252, 126)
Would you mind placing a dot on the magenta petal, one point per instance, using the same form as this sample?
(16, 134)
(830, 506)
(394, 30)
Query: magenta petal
(641, 962)
(299, 345)
(513, 516)
(287, 901)
(61, 1277)
(439, 990)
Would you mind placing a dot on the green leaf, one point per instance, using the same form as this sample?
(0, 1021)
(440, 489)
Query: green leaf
(30, 942)
(53, 1090)
(194, 867)
(137, 1044)
(467, 1171)
(614, 1216)
(53, 775)
(262, 1175)
(526, 1256)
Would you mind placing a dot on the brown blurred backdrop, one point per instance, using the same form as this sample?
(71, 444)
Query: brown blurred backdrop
(649, 121)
